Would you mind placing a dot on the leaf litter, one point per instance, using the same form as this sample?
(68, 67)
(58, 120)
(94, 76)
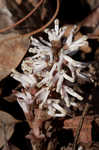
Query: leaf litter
(12, 52)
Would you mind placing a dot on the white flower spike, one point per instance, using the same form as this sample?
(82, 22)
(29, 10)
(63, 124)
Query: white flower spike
(56, 33)
(49, 70)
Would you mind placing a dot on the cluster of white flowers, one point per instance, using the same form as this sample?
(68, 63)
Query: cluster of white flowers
(48, 74)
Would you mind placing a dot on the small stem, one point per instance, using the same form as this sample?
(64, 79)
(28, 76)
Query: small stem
(80, 126)
(37, 30)
(23, 19)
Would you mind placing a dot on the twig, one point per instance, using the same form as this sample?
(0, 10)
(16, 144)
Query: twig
(80, 126)
(23, 19)
(37, 30)
(47, 24)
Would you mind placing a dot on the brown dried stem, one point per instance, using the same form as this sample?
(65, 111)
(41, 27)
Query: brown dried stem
(80, 126)
(47, 24)
(23, 19)
(41, 28)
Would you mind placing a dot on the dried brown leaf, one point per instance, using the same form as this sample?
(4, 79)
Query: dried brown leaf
(92, 20)
(33, 2)
(11, 53)
(90, 146)
(94, 34)
(2, 4)
(52, 144)
(85, 133)
(19, 2)
(93, 3)
(5, 15)
(7, 118)
(10, 98)
(11, 147)
(7, 123)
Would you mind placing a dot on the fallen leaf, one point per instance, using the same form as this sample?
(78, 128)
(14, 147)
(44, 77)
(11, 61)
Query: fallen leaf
(95, 34)
(7, 123)
(92, 3)
(85, 133)
(11, 147)
(11, 52)
(52, 144)
(92, 20)
(5, 16)
(10, 98)
(7, 118)
(2, 4)
(33, 2)
(90, 146)
(92, 23)
(19, 2)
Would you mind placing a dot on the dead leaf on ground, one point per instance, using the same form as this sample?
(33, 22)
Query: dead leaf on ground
(90, 146)
(11, 52)
(92, 20)
(85, 133)
(33, 2)
(19, 2)
(11, 147)
(52, 144)
(2, 4)
(5, 15)
(93, 3)
(10, 98)
(7, 123)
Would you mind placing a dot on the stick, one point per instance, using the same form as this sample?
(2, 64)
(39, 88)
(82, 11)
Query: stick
(23, 19)
(80, 126)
